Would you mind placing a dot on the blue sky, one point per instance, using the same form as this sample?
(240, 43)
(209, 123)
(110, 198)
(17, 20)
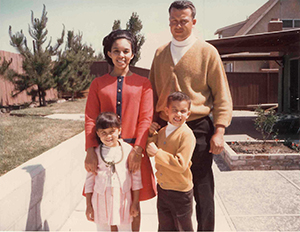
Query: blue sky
(94, 18)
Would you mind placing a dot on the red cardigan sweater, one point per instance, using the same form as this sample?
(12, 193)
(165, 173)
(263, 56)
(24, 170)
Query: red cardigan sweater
(136, 106)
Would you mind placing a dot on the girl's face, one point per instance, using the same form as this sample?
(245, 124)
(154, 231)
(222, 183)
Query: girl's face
(121, 53)
(109, 136)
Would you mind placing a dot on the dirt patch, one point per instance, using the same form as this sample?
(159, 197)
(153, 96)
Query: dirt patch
(261, 148)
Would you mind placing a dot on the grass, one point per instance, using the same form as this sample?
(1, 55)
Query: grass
(68, 107)
(23, 138)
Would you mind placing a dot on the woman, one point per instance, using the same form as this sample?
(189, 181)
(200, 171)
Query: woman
(128, 95)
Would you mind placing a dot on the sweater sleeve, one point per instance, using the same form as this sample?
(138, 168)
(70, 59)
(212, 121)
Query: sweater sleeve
(180, 161)
(152, 80)
(217, 81)
(137, 180)
(89, 183)
(145, 114)
(92, 111)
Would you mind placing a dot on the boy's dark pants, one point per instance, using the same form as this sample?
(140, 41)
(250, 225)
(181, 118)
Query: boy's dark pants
(202, 173)
(175, 210)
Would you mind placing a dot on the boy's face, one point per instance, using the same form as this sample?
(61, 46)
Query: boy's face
(109, 136)
(178, 112)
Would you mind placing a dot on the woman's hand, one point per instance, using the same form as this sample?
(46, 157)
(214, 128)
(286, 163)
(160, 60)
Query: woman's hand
(135, 159)
(152, 149)
(91, 161)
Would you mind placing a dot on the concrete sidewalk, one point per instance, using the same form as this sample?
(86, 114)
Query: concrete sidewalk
(78, 221)
(244, 200)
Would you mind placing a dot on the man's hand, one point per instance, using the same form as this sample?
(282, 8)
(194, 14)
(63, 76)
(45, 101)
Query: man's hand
(152, 149)
(91, 161)
(154, 127)
(217, 140)
(135, 159)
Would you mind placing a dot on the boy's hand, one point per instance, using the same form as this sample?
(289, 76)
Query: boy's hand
(154, 127)
(91, 161)
(152, 149)
(89, 212)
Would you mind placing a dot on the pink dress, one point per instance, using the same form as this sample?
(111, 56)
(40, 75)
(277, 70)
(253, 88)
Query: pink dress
(111, 197)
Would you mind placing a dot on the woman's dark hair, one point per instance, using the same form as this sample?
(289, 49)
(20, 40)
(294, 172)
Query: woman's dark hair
(112, 37)
(178, 96)
(182, 5)
(107, 120)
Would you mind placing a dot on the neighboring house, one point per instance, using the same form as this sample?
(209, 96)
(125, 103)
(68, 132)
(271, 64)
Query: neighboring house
(274, 15)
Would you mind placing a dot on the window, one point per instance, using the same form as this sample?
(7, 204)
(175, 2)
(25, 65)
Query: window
(291, 23)
(297, 23)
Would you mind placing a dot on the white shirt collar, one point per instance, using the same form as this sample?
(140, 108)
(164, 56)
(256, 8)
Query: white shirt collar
(188, 41)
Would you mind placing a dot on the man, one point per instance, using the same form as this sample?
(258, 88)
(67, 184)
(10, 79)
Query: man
(194, 67)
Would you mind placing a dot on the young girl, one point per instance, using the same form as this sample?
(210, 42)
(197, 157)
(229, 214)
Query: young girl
(131, 97)
(109, 202)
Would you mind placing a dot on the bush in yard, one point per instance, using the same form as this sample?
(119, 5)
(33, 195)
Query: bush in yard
(264, 122)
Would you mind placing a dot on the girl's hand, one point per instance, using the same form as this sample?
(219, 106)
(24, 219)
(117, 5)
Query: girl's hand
(134, 209)
(135, 159)
(89, 212)
(152, 149)
(91, 161)
(154, 127)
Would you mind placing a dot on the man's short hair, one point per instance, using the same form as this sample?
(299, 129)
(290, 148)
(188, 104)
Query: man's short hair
(182, 5)
(178, 96)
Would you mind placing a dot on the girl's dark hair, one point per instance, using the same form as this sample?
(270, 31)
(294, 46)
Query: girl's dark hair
(178, 96)
(107, 120)
(182, 5)
(112, 37)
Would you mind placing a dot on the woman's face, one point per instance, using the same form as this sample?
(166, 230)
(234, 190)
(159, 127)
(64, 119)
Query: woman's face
(121, 53)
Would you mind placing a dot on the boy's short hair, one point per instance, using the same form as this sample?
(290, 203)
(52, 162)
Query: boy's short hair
(107, 120)
(178, 96)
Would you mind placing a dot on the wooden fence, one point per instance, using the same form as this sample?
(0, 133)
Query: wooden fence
(7, 88)
(253, 89)
(246, 88)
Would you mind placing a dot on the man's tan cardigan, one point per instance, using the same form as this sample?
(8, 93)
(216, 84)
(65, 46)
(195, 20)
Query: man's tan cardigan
(200, 74)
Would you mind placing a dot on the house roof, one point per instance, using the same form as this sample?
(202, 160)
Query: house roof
(252, 20)
(230, 26)
(279, 41)
(256, 17)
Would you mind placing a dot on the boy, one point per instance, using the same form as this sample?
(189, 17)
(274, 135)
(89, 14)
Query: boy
(172, 148)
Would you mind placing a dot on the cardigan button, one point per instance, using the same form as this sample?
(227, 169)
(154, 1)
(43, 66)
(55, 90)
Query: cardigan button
(119, 90)
(120, 79)
(119, 103)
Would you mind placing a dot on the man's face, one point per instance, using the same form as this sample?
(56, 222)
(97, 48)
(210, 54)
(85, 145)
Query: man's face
(181, 23)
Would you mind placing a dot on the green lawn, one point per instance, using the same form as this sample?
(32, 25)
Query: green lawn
(23, 138)
(68, 107)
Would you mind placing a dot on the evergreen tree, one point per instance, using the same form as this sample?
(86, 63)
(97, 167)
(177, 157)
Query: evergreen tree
(134, 25)
(4, 66)
(116, 25)
(72, 69)
(37, 64)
